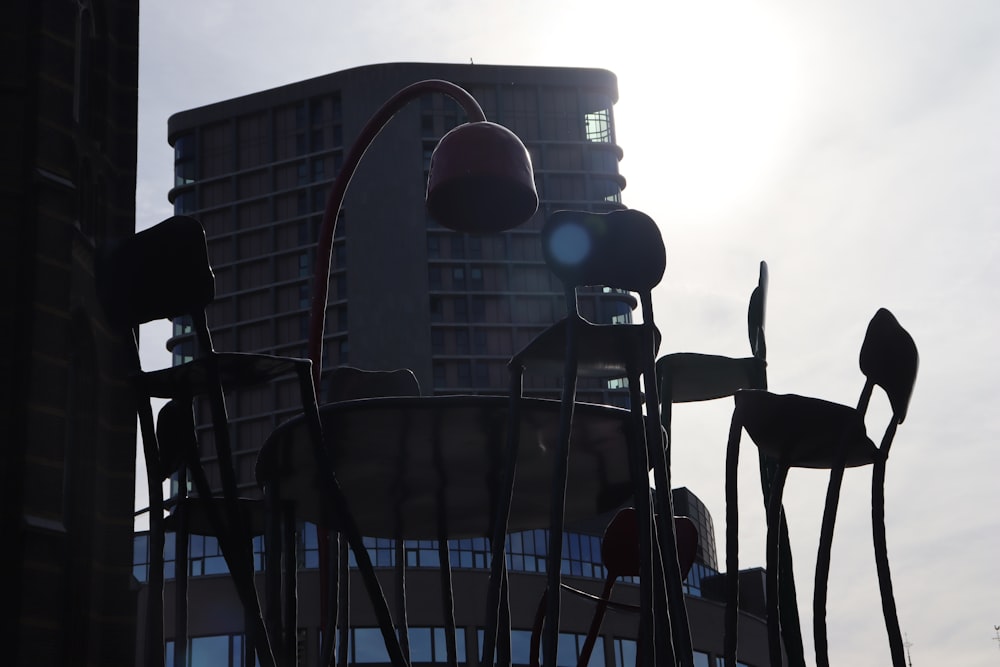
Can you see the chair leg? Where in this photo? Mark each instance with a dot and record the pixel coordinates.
(823, 562)
(680, 631)
(595, 623)
(732, 540)
(153, 648)
(275, 562)
(791, 628)
(448, 601)
(343, 553)
(402, 622)
(332, 589)
(334, 502)
(773, 534)
(639, 472)
(560, 471)
(444, 556)
(498, 570)
(181, 583)
(882, 563)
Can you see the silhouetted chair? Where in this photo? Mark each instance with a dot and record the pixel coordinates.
(620, 250)
(164, 272)
(686, 377)
(620, 556)
(805, 432)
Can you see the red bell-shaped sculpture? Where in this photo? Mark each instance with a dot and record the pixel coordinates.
(481, 179)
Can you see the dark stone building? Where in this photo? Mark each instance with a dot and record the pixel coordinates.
(67, 419)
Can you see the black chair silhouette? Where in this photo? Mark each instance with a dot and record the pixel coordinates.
(686, 377)
(620, 556)
(164, 272)
(806, 432)
(620, 250)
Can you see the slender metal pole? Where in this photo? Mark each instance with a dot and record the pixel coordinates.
(730, 640)
(324, 249)
(334, 202)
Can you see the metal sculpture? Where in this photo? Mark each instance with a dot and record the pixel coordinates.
(686, 377)
(480, 180)
(806, 432)
(624, 250)
(164, 272)
(620, 556)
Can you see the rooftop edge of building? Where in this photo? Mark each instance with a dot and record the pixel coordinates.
(401, 74)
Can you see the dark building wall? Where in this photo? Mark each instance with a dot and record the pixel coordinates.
(67, 185)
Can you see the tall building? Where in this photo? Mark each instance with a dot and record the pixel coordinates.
(404, 293)
(68, 102)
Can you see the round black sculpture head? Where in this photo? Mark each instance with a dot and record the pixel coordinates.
(481, 179)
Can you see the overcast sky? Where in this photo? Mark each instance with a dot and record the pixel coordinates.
(854, 145)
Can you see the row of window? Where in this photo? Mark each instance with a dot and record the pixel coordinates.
(429, 645)
(581, 556)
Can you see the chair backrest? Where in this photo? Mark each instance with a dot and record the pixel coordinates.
(621, 249)
(756, 315)
(161, 272)
(889, 359)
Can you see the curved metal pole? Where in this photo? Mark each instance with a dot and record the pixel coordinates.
(560, 472)
(772, 579)
(649, 572)
(823, 562)
(498, 570)
(324, 250)
(732, 616)
(680, 631)
(882, 553)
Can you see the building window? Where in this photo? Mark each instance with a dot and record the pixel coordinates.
(461, 309)
(464, 369)
(434, 278)
(216, 650)
(185, 202)
(482, 375)
(624, 652)
(427, 644)
(479, 338)
(597, 126)
(461, 341)
(475, 278)
(458, 278)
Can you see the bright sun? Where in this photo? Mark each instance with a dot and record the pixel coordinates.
(708, 106)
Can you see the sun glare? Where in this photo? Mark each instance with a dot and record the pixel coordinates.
(717, 91)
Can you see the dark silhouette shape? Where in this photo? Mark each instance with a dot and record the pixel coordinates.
(619, 250)
(686, 377)
(347, 383)
(164, 272)
(620, 555)
(480, 180)
(806, 432)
